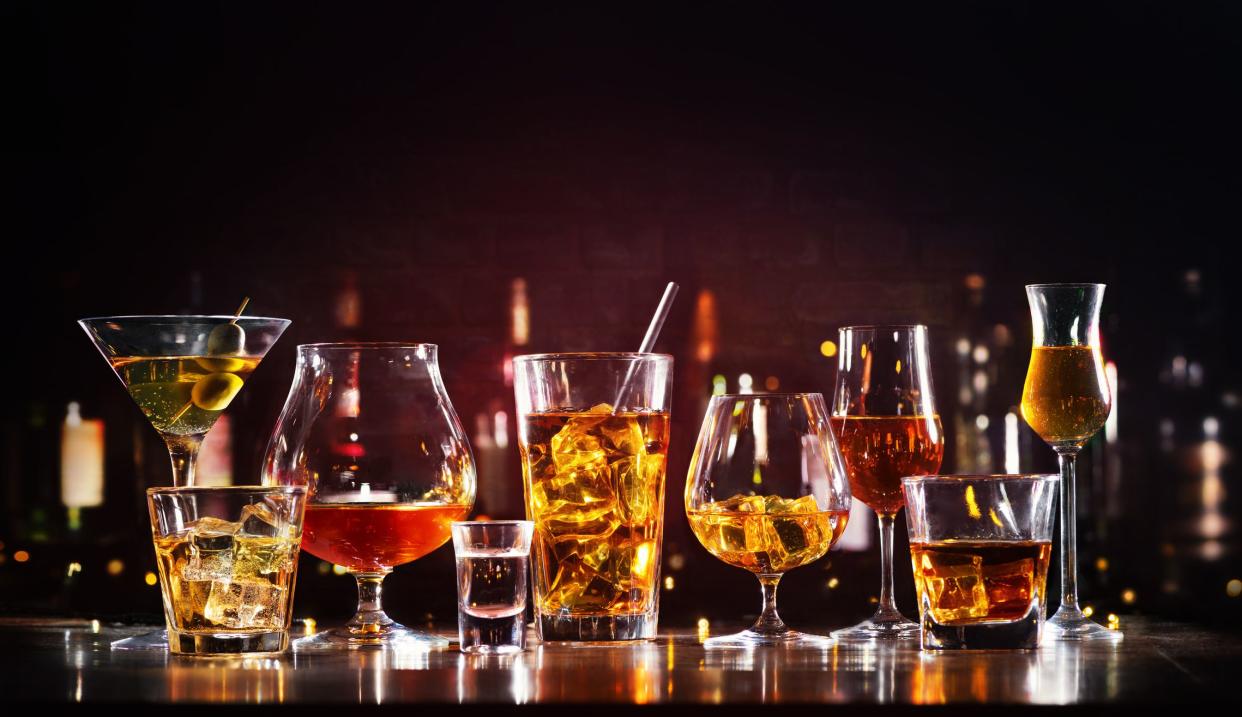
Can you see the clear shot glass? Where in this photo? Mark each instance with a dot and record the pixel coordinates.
(493, 562)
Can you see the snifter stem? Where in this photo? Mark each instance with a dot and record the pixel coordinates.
(769, 622)
(888, 608)
(370, 620)
(1069, 609)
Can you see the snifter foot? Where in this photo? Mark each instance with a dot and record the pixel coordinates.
(394, 637)
(1070, 624)
(874, 629)
(786, 638)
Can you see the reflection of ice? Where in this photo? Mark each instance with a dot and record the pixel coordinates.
(955, 584)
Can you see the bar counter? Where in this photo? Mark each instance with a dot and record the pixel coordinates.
(71, 662)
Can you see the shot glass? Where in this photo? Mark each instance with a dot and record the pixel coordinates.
(493, 561)
(980, 547)
(227, 558)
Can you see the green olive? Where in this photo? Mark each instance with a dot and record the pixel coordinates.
(226, 340)
(232, 365)
(215, 391)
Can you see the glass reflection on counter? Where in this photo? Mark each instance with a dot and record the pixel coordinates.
(240, 680)
(488, 677)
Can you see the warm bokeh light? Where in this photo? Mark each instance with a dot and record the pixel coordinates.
(828, 349)
(150, 578)
(21, 556)
(116, 566)
(1233, 588)
(1128, 596)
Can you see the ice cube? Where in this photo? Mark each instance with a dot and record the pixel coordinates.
(578, 587)
(574, 446)
(788, 536)
(1009, 584)
(209, 524)
(600, 408)
(621, 435)
(637, 479)
(211, 550)
(253, 557)
(955, 586)
(259, 520)
(245, 604)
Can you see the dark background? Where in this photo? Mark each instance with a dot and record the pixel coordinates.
(795, 167)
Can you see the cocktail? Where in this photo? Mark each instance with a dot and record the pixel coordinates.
(182, 372)
(885, 418)
(370, 430)
(767, 492)
(1066, 399)
(593, 436)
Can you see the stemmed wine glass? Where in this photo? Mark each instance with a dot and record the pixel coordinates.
(885, 417)
(767, 492)
(1066, 399)
(370, 429)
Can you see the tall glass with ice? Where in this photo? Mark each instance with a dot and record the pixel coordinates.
(593, 434)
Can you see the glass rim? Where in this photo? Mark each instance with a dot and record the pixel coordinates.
(881, 327)
(982, 478)
(593, 356)
(356, 345)
(1070, 285)
(768, 394)
(194, 489)
(466, 523)
(214, 317)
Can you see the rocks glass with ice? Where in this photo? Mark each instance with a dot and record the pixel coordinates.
(980, 547)
(493, 560)
(227, 559)
(593, 434)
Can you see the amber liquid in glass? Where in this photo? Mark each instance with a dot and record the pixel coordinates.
(375, 537)
(1066, 397)
(767, 535)
(881, 450)
(594, 487)
(974, 582)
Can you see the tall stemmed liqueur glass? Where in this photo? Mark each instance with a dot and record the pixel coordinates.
(767, 492)
(370, 429)
(1066, 399)
(885, 417)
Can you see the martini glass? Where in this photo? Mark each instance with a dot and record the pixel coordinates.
(182, 372)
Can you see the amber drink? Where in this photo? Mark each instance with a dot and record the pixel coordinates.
(979, 547)
(594, 486)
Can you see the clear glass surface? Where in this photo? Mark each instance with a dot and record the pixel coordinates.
(593, 435)
(886, 422)
(1066, 400)
(493, 562)
(767, 492)
(227, 560)
(980, 547)
(370, 430)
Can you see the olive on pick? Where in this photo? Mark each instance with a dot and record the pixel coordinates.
(226, 340)
(215, 391)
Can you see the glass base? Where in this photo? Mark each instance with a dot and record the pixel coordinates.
(227, 644)
(1071, 625)
(879, 629)
(785, 638)
(157, 640)
(393, 637)
(604, 628)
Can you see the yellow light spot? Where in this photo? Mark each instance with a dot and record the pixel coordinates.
(640, 565)
(74, 568)
(994, 517)
(873, 600)
(757, 476)
(862, 351)
(1101, 564)
(1114, 622)
(115, 567)
(21, 556)
(704, 628)
(668, 582)
(972, 506)
(310, 625)
(833, 583)
(1088, 611)
(150, 578)
(829, 349)
(898, 365)
(771, 383)
(1128, 596)
(339, 569)
(95, 626)
(1233, 588)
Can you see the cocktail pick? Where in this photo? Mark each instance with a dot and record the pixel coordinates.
(224, 340)
(649, 340)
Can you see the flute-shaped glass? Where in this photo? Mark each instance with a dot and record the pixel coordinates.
(1066, 400)
(885, 417)
(767, 492)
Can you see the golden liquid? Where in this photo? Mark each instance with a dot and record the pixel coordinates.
(594, 487)
(215, 580)
(881, 450)
(183, 395)
(965, 582)
(767, 534)
(1066, 397)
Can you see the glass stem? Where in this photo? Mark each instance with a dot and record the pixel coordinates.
(769, 622)
(184, 453)
(370, 618)
(887, 611)
(1069, 533)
